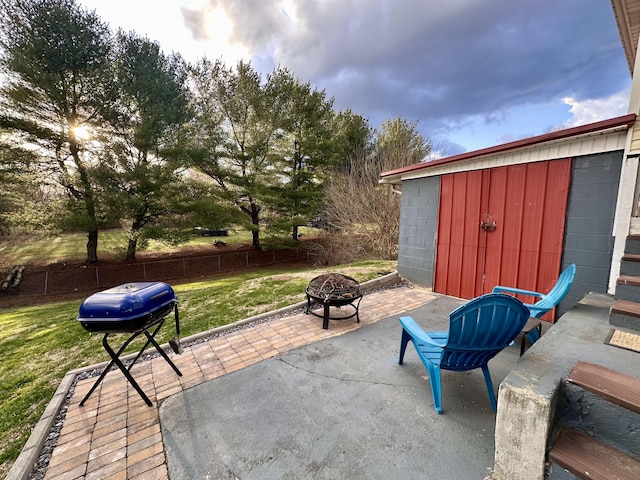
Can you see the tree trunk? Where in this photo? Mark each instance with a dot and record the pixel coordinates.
(255, 232)
(89, 201)
(92, 246)
(295, 232)
(254, 214)
(131, 248)
(255, 235)
(134, 234)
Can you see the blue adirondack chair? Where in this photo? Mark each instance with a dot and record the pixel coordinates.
(478, 331)
(546, 302)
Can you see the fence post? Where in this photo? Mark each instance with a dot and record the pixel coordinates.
(97, 277)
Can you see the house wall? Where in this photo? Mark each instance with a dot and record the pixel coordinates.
(588, 231)
(602, 142)
(418, 220)
(635, 138)
(588, 240)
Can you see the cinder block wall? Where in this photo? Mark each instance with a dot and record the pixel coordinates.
(418, 220)
(588, 240)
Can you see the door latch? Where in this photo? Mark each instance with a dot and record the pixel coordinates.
(487, 225)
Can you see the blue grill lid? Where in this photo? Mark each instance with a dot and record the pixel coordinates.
(126, 302)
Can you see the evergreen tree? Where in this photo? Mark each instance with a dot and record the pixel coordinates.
(144, 149)
(56, 61)
(307, 147)
(235, 143)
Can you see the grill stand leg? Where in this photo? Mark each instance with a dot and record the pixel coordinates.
(162, 353)
(126, 371)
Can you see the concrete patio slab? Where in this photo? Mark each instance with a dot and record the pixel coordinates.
(338, 408)
(116, 436)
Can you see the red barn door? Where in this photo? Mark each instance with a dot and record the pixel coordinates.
(501, 226)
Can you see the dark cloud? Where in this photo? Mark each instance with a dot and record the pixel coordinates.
(194, 21)
(437, 61)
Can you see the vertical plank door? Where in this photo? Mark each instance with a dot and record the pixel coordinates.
(526, 203)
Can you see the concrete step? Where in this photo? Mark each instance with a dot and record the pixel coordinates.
(628, 288)
(632, 244)
(630, 265)
(625, 313)
(604, 405)
(587, 458)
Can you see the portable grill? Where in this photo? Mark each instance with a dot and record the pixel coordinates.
(135, 308)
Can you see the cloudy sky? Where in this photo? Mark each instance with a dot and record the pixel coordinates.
(473, 73)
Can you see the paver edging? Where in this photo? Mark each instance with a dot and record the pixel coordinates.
(24, 464)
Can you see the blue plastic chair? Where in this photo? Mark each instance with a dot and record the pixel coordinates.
(478, 331)
(546, 302)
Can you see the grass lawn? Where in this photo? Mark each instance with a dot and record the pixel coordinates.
(111, 244)
(41, 343)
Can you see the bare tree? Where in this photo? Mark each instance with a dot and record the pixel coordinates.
(362, 216)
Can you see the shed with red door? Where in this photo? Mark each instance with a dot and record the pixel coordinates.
(515, 214)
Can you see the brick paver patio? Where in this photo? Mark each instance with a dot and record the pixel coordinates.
(115, 435)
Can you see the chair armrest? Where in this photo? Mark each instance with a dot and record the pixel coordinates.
(499, 289)
(418, 334)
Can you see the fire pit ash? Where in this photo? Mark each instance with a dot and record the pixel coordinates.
(333, 290)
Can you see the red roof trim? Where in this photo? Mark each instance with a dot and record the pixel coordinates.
(627, 120)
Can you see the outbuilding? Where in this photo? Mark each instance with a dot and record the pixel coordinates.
(516, 214)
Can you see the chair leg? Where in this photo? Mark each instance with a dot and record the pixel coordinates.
(432, 369)
(436, 387)
(535, 334)
(492, 395)
(404, 340)
(532, 331)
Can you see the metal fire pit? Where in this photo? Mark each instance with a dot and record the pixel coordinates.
(333, 290)
(135, 308)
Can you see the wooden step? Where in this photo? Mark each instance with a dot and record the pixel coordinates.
(628, 288)
(625, 313)
(630, 264)
(631, 257)
(587, 458)
(615, 387)
(628, 280)
(626, 307)
(632, 244)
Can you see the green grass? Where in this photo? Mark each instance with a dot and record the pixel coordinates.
(111, 244)
(41, 343)
(67, 246)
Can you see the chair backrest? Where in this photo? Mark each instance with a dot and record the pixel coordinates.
(557, 293)
(481, 328)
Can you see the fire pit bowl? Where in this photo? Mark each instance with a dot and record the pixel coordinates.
(333, 290)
